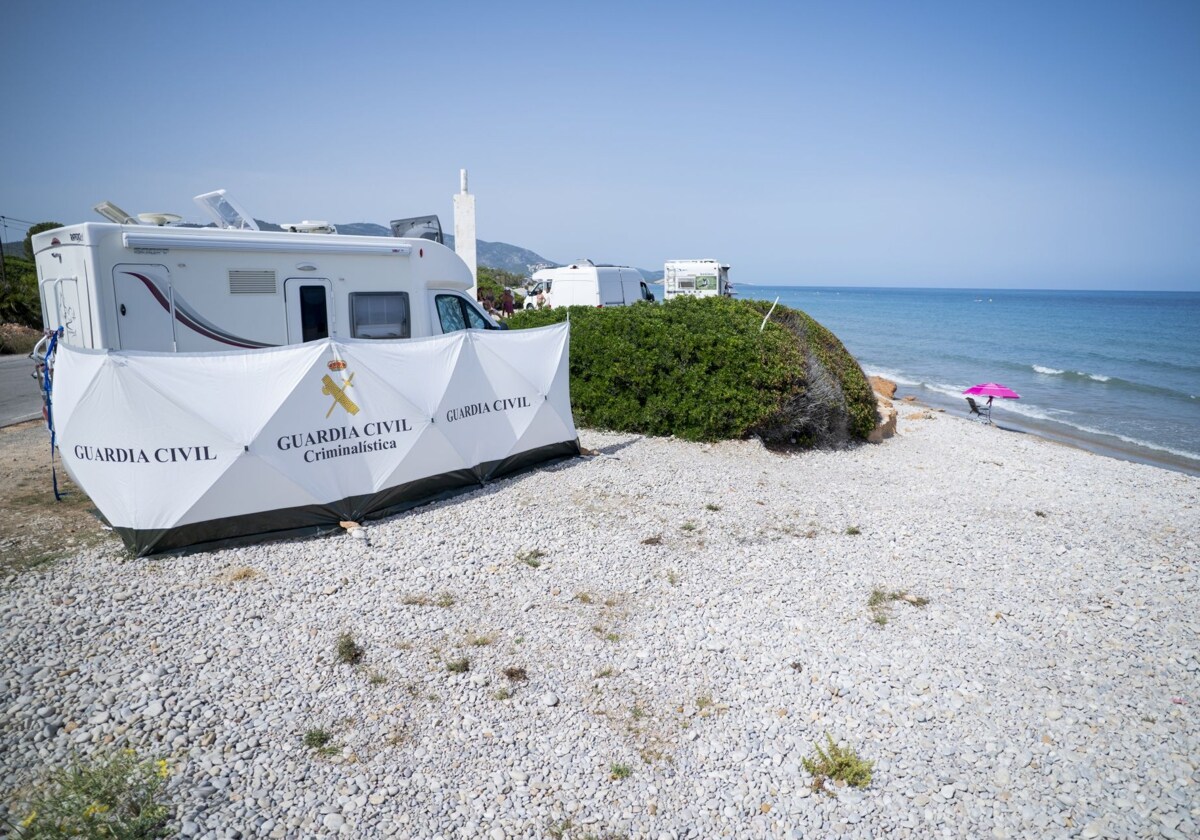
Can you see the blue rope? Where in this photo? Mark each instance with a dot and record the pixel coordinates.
(46, 388)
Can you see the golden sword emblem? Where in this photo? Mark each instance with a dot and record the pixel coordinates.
(339, 394)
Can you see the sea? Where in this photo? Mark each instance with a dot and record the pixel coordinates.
(1117, 373)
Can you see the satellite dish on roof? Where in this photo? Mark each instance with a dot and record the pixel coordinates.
(160, 219)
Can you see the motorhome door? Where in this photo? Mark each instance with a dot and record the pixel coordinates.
(145, 304)
(309, 302)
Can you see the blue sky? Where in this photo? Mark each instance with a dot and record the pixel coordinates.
(1040, 145)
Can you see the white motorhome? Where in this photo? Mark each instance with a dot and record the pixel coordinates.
(583, 283)
(129, 286)
(695, 278)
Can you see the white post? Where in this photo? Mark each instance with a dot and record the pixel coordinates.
(768, 315)
(464, 228)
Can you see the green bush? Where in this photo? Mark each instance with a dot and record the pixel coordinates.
(19, 301)
(700, 369)
(826, 353)
(117, 796)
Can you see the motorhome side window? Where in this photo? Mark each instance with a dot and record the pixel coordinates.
(456, 313)
(379, 315)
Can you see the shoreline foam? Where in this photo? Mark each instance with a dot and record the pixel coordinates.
(1010, 416)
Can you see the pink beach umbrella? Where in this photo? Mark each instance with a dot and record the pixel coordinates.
(992, 390)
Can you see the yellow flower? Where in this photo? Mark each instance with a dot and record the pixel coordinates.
(94, 809)
(28, 821)
(163, 772)
(130, 753)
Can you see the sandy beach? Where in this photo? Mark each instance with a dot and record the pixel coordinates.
(655, 637)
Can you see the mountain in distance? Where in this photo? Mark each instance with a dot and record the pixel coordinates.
(499, 255)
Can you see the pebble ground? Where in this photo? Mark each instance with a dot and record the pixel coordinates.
(654, 639)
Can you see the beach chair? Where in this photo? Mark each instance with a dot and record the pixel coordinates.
(982, 412)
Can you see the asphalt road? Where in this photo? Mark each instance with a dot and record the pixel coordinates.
(19, 396)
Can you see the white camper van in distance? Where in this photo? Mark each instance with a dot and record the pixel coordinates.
(695, 278)
(583, 283)
(143, 287)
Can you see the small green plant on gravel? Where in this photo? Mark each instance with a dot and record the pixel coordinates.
(502, 693)
(838, 764)
(612, 637)
(376, 678)
(673, 577)
(704, 701)
(478, 641)
(531, 558)
(620, 771)
(515, 673)
(459, 666)
(881, 601)
(445, 600)
(348, 650)
(316, 738)
(638, 712)
(583, 597)
(712, 507)
(688, 526)
(560, 829)
(853, 531)
(115, 796)
(415, 600)
(606, 671)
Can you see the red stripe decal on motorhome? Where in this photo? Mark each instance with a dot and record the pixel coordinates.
(192, 322)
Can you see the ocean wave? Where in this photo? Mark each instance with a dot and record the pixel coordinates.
(1182, 453)
(1072, 374)
(1027, 410)
(1111, 381)
(887, 373)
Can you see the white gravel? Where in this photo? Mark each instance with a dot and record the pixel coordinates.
(1050, 687)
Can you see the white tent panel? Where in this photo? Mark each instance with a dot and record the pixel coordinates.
(418, 369)
(180, 449)
(246, 389)
(78, 366)
(270, 490)
(144, 459)
(343, 428)
(431, 454)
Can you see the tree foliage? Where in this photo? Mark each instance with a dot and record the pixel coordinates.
(700, 369)
(19, 301)
(40, 227)
(491, 282)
